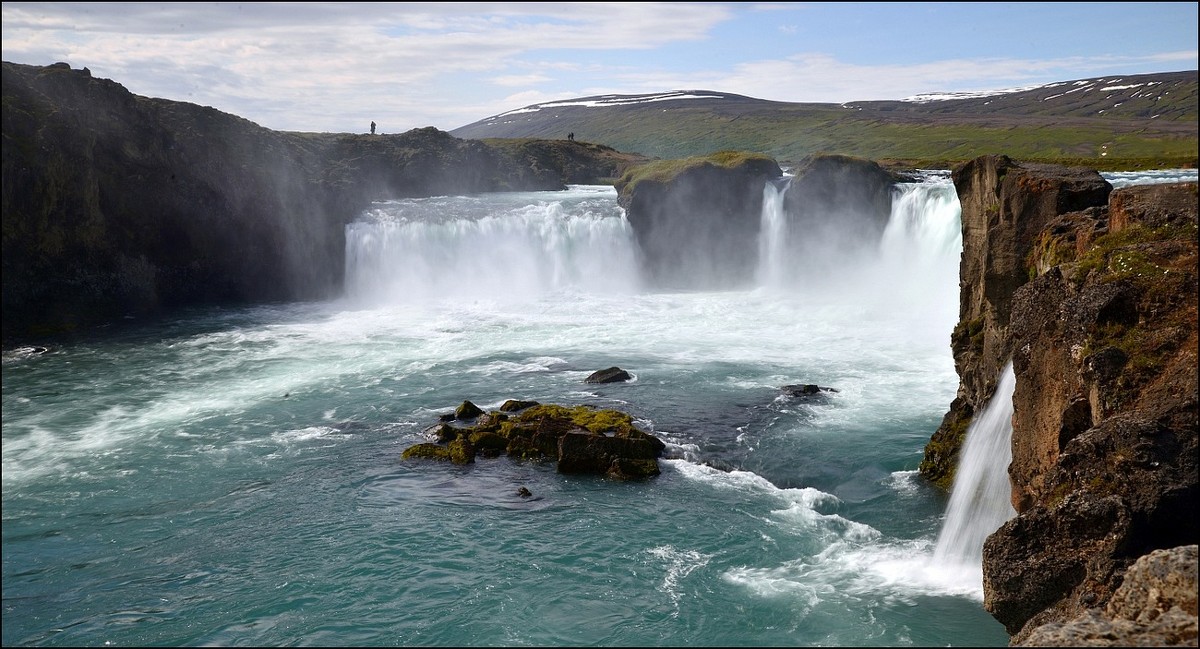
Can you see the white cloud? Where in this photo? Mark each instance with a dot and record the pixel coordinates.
(519, 80)
(815, 77)
(337, 66)
(262, 61)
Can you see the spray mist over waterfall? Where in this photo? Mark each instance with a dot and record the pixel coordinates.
(539, 243)
(980, 501)
(912, 267)
(462, 247)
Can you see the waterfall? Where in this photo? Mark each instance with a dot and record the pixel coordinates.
(980, 501)
(772, 234)
(526, 245)
(449, 248)
(914, 265)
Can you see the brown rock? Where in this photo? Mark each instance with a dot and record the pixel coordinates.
(1155, 606)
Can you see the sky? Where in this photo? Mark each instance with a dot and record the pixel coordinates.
(336, 67)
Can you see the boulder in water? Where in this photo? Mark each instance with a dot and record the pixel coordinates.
(581, 439)
(513, 405)
(805, 389)
(610, 375)
(467, 410)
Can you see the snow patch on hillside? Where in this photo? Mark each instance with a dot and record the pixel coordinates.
(605, 101)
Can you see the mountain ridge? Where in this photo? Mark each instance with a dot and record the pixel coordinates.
(1113, 117)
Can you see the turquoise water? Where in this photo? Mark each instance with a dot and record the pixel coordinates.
(233, 477)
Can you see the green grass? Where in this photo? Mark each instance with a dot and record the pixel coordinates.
(662, 171)
(792, 135)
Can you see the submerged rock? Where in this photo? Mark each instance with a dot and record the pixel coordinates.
(806, 389)
(610, 375)
(581, 440)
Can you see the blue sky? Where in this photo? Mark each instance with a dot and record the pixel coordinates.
(335, 67)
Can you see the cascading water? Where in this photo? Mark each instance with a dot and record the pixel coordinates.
(912, 270)
(980, 500)
(461, 247)
(771, 249)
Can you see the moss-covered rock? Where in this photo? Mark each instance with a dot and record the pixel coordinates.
(426, 451)
(467, 410)
(461, 450)
(597, 441)
(513, 405)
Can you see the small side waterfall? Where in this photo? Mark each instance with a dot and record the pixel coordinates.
(772, 250)
(980, 499)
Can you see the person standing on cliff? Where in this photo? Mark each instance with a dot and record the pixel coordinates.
(372, 128)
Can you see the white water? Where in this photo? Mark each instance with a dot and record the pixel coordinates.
(464, 248)
(980, 501)
(772, 235)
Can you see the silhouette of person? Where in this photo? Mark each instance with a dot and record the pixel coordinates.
(571, 136)
(372, 128)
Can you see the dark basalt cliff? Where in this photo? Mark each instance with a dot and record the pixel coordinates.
(1092, 294)
(698, 220)
(115, 204)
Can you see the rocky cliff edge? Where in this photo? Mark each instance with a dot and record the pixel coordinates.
(1092, 295)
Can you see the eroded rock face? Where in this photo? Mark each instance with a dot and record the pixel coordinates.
(698, 224)
(836, 206)
(1155, 606)
(1100, 323)
(1005, 207)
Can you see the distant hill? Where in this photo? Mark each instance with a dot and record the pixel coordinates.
(1108, 122)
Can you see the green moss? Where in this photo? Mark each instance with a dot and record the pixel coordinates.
(663, 171)
(586, 417)
(1111, 256)
(487, 440)
(940, 462)
(426, 451)
(1047, 252)
(1162, 279)
(1058, 494)
(461, 451)
(967, 336)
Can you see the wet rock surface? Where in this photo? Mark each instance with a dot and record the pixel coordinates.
(579, 439)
